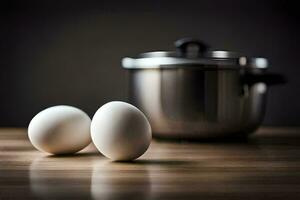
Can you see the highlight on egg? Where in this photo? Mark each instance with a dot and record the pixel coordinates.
(60, 130)
(120, 131)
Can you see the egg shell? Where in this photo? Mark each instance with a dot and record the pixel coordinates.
(60, 130)
(120, 131)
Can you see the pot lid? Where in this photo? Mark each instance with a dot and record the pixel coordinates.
(193, 53)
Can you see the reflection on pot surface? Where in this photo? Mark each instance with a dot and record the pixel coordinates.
(190, 102)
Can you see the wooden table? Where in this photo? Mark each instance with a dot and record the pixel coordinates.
(267, 166)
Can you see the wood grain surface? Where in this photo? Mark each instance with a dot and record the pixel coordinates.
(266, 166)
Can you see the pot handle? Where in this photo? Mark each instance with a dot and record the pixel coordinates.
(183, 46)
(267, 78)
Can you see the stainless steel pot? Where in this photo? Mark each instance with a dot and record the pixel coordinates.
(195, 93)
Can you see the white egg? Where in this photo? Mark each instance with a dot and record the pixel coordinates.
(60, 130)
(120, 131)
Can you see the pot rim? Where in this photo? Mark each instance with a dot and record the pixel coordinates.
(192, 52)
(152, 60)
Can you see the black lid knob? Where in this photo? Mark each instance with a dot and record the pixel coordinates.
(185, 45)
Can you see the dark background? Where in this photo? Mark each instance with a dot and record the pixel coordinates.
(69, 52)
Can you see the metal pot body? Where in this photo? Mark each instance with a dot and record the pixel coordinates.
(194, 103)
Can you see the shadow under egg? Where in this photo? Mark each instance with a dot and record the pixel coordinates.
(120, 181)
(50, 178)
